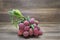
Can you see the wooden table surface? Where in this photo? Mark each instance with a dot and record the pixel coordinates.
(50, 32)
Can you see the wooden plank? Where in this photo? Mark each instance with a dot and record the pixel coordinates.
(41, 14)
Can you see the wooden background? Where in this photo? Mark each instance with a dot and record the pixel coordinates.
(42, 10)
(46, 11)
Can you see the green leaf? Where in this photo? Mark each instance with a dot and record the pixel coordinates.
(28, 18)
(17, 13)
(19, 17)
(11, 13)
(32, 26)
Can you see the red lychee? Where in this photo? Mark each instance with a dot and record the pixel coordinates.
(26, 23)
(40, 32)
(26, 34)
(26, 28)
(32, 20)
(20, 32)
(36, 32)
(30, 31)
(21, 26)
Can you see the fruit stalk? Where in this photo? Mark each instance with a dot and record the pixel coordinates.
(18, 16)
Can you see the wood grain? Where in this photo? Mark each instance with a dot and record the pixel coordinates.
(41, 14)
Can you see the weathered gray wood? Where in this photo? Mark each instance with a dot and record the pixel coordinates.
(41, 14)
(33, 9)
(29, 4)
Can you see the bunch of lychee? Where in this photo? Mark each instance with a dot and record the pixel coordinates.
(29, 28)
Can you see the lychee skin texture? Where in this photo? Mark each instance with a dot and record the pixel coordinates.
(40, 32)
(35, 25)
(32, 20)
(30, 31)
(38, 28)
(26, 28)
(26, 23)
(21, 26)
(36, 32)
(20, 32)
(26, 34)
